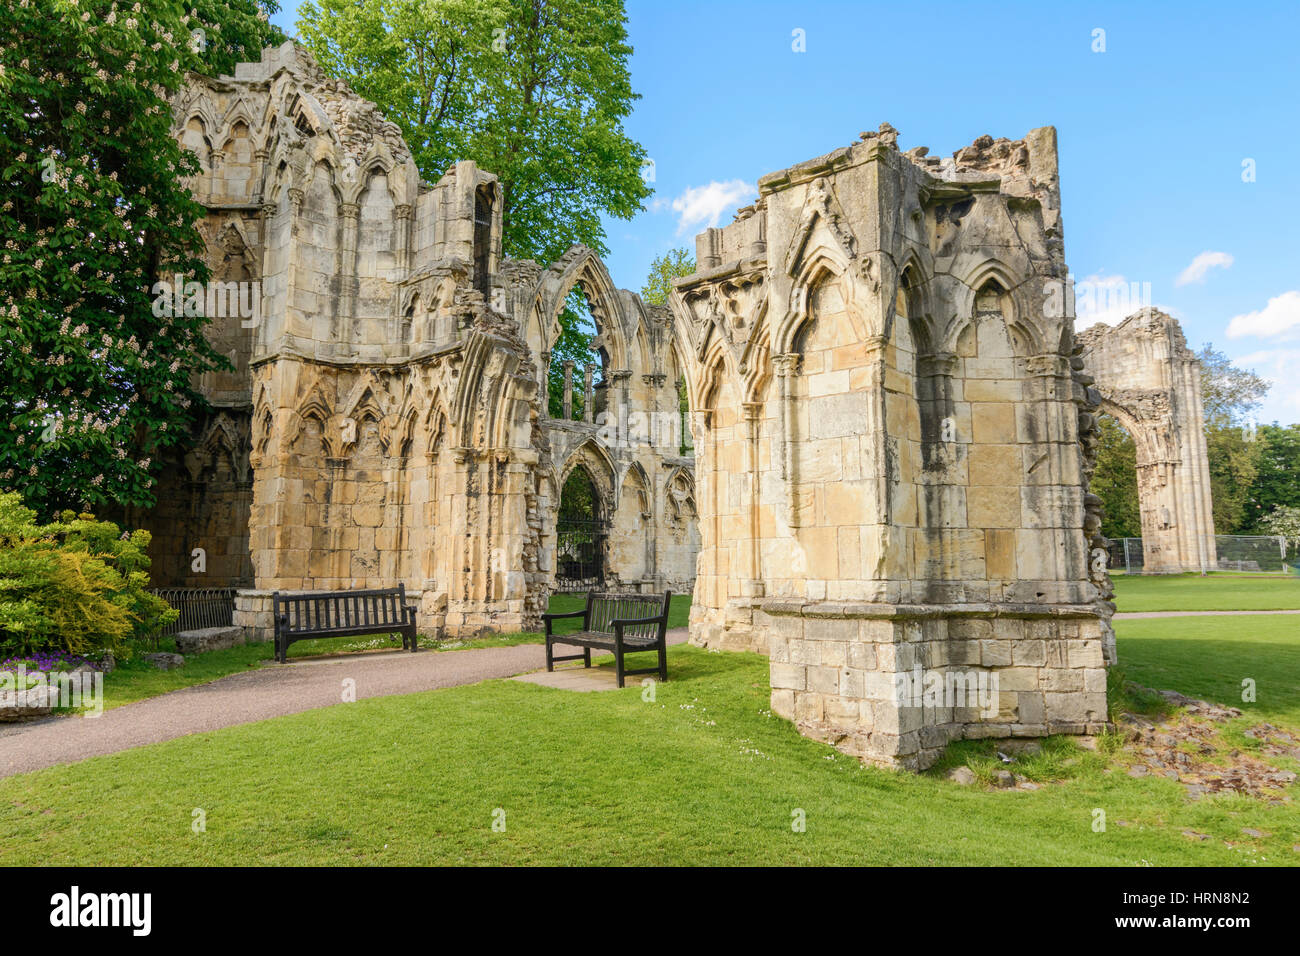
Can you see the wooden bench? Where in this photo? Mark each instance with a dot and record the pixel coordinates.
(622, 623)
(300, 617)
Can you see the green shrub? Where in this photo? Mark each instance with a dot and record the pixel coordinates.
(77, 585)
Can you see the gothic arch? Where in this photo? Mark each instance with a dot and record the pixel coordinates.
(595, 458)
(580, 267)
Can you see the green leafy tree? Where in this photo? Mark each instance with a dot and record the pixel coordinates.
(1283, 520)
(1233, 462)
(673, 264)
(577, 330)
(535, 91)
(1228, 393)
(1275, 486)
(93, 211)
(1115, 481)
(1228, 396)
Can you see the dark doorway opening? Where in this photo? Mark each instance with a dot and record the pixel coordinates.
(582, 532)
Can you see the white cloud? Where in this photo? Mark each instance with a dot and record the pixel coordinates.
(1201, 266)
(1110, 299)
(700, 207)
(1279, 319)
(1277, 367)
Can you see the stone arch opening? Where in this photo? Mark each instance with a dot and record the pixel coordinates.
(578, 379)
(582, 533)
(1115, 479)
(1150, 383)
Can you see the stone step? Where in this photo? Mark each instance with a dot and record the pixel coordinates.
(203, 639)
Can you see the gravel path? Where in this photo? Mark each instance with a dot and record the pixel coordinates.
(269, 691)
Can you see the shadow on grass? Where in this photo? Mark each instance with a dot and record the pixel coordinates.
(1219, 670)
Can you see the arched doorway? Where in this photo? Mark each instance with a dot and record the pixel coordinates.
(582, 534)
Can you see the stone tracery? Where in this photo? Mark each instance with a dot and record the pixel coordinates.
(388, 396)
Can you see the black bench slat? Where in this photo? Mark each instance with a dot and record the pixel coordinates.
(622, 623)
(341, 613)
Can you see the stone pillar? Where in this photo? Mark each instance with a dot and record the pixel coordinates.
(351, 213)
(753, 427)
(568, 390)
(657, 419)
(545, 365)
(617, 393)
(402, 250)
(588, 394)
(787, 367)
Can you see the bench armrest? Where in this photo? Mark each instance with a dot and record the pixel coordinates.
(548, 616)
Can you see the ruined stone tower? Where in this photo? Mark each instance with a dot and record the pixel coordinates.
(1151, 383)
(893, 439)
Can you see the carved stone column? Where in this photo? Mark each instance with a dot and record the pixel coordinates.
(787, 367)
(753, 428)
(351, 212)
(656, 382)
(588, 394)
(545, 365)
(568, 390)
(619, 380)
(402, 239)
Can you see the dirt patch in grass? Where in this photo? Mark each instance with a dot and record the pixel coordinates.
(1195, 745)
(1167, 734)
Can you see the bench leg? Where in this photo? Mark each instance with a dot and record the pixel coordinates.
(618, 664)
(550, 664)
(663, 662)
(586, 656)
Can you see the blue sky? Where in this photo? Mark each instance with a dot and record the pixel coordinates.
(1153, 134)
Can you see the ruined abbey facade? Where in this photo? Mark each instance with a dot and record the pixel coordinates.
(891, 435)
(387, 417)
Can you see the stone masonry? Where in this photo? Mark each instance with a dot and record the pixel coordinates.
(893, 428)
(385, 420)
(894, 435)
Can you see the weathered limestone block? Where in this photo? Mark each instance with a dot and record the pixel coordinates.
(204, 639)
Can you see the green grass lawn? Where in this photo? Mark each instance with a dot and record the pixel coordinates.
(703, 774)
(1215, 592)
(1209, 657)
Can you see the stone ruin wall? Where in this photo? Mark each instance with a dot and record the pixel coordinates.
(385, 420)
(893, 435)
(1150, 382)
(893, 441)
